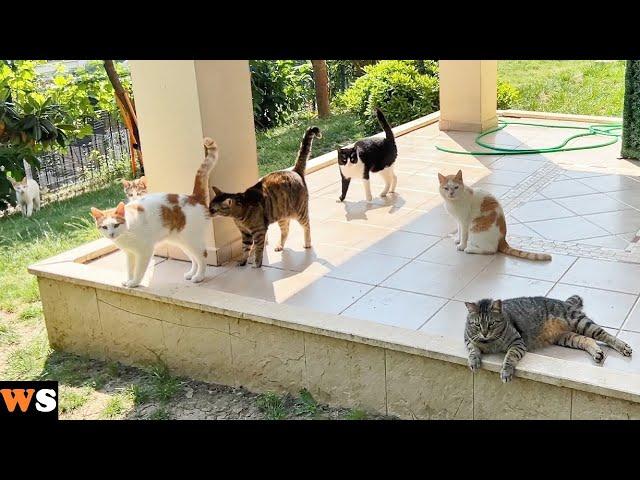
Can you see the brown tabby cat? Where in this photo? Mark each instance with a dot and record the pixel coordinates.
(277, 197)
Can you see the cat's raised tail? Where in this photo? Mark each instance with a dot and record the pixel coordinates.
(504, 247)
(201, 183)
(385, 125)
(305, 149)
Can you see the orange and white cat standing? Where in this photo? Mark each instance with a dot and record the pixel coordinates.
(482, 228)
(178, 219)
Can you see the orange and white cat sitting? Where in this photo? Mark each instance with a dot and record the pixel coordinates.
(178, 219)
(481, 225)
(135, 189)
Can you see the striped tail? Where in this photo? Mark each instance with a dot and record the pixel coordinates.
(305, 149)
(385, 126)
(505, 248)
(201, 183)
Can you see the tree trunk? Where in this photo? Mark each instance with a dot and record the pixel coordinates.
(321, 80)
(128, 112)
(631, 115)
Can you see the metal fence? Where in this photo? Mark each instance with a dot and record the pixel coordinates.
(86, 163)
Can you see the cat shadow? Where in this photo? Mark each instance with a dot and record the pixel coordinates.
(358, 210)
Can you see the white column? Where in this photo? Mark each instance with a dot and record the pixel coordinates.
(177, 104)
(468, 94)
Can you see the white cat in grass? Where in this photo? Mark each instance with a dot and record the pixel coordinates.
(27, 192)
(178, 219)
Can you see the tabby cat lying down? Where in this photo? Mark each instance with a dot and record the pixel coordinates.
(520, 324)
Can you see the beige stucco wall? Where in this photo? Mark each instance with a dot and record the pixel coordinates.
(261, 357)
(178, 102)
(468, 94)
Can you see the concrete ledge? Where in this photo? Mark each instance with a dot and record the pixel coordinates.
(262, 345)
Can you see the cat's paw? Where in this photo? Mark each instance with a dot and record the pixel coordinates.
(257, 265)
(461, 247)
(197, 278)
(131, 284)
(188, 276)
(383, 194)
(506, 374)
(279, 248)
(241, 263)
(340, 199)
(626, 350)
(474, 363)
(307, 245)
(599, 356)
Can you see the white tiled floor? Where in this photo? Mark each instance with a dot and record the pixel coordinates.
(393, 261)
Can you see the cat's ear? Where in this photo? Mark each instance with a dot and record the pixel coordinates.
(496, 306)
(13, 182)
(459, 176)
(120, 209)
(216, 190)
(97, 214)
(442, 179)
(143, 181)
(126, 183)
(472, 307)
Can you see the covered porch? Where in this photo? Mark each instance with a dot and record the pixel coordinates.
(372, 316)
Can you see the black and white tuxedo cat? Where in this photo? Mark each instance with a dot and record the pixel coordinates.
(373, 154)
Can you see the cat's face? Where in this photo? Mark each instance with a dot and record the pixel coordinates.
(20, 187)
(110, 223)
(451, 186)
(484, 320)
(135, 189)
(346, 155)
(226, 204)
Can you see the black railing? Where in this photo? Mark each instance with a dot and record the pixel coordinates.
(87, 163)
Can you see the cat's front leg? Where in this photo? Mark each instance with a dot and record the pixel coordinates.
(367, 186)
(514, 354)
(464, 236)
(130, 261)
(29, 208)
(140, 267)
(475, 356)
(258, 240)
(457, 237)
(345, 186)
(247, 242)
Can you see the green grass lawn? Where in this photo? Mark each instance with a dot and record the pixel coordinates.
(278, 147)
(55, 228)
(566, 86)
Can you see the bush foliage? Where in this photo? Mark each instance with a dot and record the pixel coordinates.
(396, 87)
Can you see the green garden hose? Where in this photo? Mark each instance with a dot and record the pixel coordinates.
(613, 130)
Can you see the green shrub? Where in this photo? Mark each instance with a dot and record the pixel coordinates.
(508, 95)
(397, 88)
(280, 88)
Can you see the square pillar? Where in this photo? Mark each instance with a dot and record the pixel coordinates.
(468, 95)
(177, 104)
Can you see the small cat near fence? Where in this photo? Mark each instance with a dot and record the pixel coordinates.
(277, 197)
(370, 155)
(135, 189)
(482, 228)
(518, 325)
(136, 228)
(27, 192)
